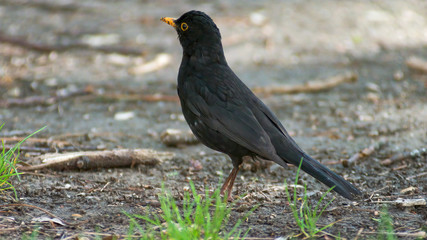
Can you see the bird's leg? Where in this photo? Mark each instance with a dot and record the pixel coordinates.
(229, 182)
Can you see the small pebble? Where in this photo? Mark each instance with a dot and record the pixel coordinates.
(122, 116)
(398, 75)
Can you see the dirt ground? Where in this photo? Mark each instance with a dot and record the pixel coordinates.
(102, 75)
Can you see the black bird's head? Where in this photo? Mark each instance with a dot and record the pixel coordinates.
(196, 30)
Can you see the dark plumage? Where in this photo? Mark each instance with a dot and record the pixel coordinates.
(225, 115)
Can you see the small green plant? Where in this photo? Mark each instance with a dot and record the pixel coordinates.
(8, 161)
(385, 228)
(200, 217)
(305, 215)
(34, 234)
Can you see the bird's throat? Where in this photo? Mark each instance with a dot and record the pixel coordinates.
(205, 55)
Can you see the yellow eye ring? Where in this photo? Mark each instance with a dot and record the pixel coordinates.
(184, 26)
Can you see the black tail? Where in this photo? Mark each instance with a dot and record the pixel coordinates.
(331, 179)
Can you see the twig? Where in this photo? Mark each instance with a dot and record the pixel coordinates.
(52, 149)
(36, 140)
(99, 159)
(135, 97)
(358, 234)
(333, 162)
(378, 190)
(420, 234)
(405, 202)
(417, 63)
(28, 149)
(43, 100)
(3, 230)
(102, 189)
(400, 167)
(416, 176)
(38, 174)
(309, 87)
(103, 235)
(361, 154)
(20, 41)
(405, 155)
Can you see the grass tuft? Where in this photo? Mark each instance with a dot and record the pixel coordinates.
(8, 162)
(306, 217)
(199, 217)
(385, 228)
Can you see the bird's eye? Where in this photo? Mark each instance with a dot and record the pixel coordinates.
(184, 26)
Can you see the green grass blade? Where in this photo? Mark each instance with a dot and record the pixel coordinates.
(198, 218)
(305, 216)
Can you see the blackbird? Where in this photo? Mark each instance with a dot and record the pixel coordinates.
(225, 115)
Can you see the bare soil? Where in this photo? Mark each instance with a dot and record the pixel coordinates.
(267, 43)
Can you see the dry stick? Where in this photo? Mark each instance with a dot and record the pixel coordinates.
(43, 100)
(400, 167)
(99, 159)
(361, 154)
(41, 209)
(358, 234)
(137, 97)
(105, 235)
(405, 202)
(3, 230)
(36, 140)
(28, 149)
(19, 41)
(416, 176)
(92, 135)
(405, 155)
(420, 234)
(378, 190)
(417, 64)
(312, 86)
(51, 149)
(53, 145)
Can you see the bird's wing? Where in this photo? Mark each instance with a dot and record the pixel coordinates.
(264, 112)
(232, 118)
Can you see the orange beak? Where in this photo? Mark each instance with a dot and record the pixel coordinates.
(168, 20)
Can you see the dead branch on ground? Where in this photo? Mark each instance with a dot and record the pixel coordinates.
(39, 47)
(46, 141)
(99, 159)
(405, 202)
(417, 176)
(409, 235)
(309, 87)
(135, 97)
(403, 156)
(361, 154)
(45, 100)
